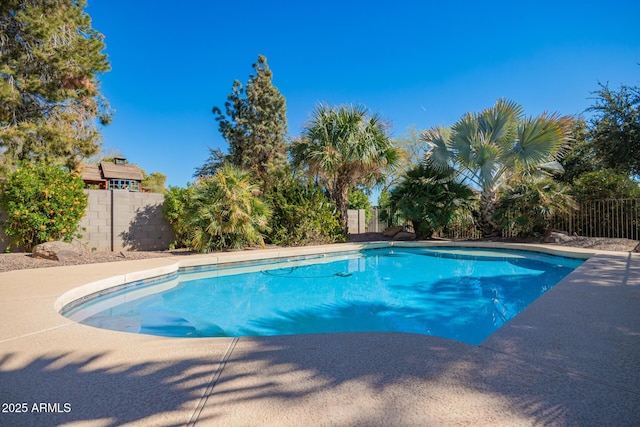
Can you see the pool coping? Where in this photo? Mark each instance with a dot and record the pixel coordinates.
(600, 341)
(216, 259)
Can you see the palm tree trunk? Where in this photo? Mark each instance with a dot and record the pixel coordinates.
(341, 197)
(486, 223)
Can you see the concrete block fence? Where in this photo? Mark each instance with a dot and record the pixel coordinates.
(118, 220)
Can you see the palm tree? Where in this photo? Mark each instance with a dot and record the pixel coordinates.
(487, 148)
(528, 205)
(429, 198)
(342, 148)
(227, 212)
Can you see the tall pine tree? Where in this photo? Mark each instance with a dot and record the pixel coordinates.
(49, 91)
(255, 125)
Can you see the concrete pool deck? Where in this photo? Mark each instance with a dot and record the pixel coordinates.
(572, 358)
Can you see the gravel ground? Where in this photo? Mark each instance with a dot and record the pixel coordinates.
(20, 261)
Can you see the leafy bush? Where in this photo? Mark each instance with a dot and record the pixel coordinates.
(42, 203)
(359, 200)
(176, 202)
(605, 184)
(428, 198)
(528, 204)
(302, 215)
(225, 212)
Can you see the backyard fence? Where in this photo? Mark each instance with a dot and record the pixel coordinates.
(613, 218)
(617, 218)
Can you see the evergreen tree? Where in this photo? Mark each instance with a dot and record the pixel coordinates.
(255, 124)
(615, 128)
(49, 92)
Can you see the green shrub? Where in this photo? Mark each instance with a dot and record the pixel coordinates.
(430, 199)
(605, 184)
(176, 202)
(225, 212)
(528, 204)
(359, 200)
(302, 215)
(42, 203)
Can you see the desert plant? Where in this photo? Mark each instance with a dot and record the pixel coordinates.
(429, 198)
(344, 147)
(487, 147)
(226, 212)
(528, 204)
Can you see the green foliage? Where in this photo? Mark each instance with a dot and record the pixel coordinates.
(176, 203)
(429, 198)
(528, 204)
(580, 156)
(342, 148)
(42, 203)
(154, 182)
(49, 91)
(605, 184)
(359, 200)
(302, 215)
(225, 212)
(411, 150)
(487, 148)
(254, 125)
(214, 162)
(615, 128)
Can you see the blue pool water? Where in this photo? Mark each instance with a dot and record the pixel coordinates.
(457, 293)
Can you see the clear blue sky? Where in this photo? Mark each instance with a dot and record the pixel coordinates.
(422, 63)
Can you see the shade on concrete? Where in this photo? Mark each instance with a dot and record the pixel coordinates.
(571, 358)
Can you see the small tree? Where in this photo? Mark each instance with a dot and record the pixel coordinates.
(254, 125)
(154, 182)
(225, 212)
(615, 128)
(42, 203)
(429, 198)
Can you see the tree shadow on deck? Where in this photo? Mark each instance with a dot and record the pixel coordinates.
(76, 388)
(408, 379)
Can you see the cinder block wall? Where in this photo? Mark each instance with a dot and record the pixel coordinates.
(119, 219)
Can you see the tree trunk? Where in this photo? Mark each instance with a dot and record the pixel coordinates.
(341, 197)
(486, 223)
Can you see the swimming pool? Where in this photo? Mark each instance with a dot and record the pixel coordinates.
(458, 293)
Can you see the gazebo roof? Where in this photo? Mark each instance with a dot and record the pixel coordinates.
(114, 171)
(107, 170)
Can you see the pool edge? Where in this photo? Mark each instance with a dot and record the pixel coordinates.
(220, 258)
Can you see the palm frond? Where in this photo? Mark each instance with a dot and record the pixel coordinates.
(539, 141)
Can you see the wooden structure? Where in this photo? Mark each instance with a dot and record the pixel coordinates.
(116, 175)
